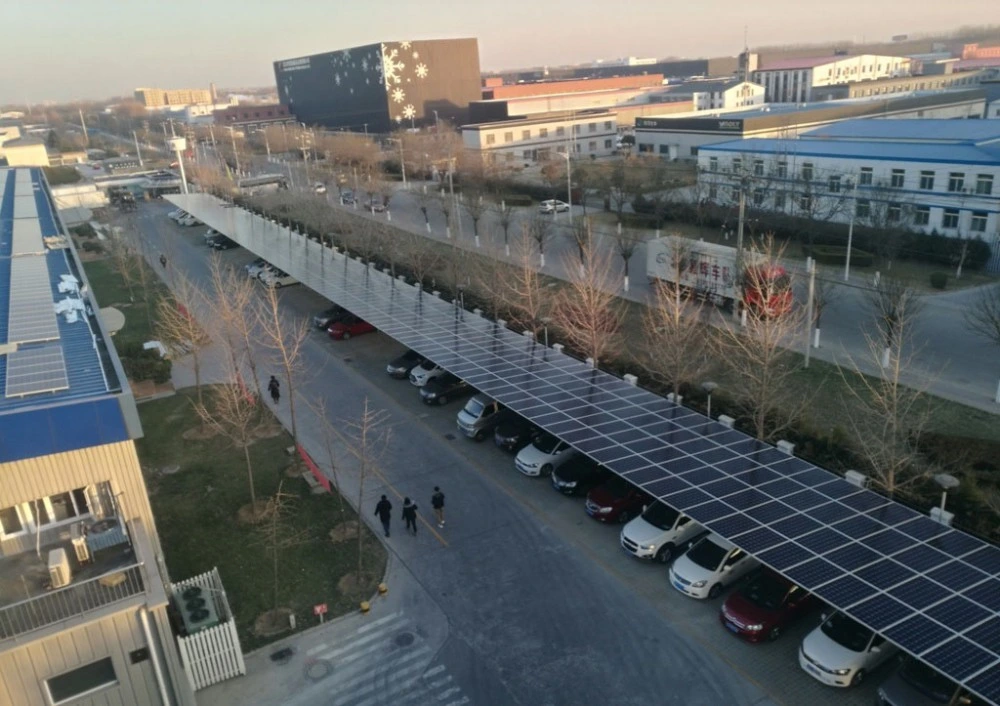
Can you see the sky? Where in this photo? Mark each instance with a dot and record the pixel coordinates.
(92, 49)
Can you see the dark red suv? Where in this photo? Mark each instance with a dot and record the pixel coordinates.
(765, 606)
(617, 500)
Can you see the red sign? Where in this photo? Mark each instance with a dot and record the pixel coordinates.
(319, 609)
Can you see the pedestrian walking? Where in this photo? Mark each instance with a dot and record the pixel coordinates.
(163, 261)
(384, 512)
(274, 387)
(410, 515)
(437, 502)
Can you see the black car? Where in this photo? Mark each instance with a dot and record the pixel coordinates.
(401, 366)
(444, 388)
(325, 318)
(578, 475)
(224, 243)
(514, 434)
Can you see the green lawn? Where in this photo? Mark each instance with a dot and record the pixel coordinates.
(110, 290)
(196, 510)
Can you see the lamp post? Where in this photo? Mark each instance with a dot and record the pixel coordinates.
(850, 228)
(178, 145)
(460, 300)
(569, 184)
(947, 482)
(709, 387)
(545, 327)
(236, 156)
(402, 160)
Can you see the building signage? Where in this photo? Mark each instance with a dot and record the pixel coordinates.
(731, 125)
(713, 124)
(295, 64)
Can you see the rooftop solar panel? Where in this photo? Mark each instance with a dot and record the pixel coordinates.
(35, 370)
(678, 446)
(32, 315)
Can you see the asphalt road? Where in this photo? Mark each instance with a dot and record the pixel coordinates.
(540, 604)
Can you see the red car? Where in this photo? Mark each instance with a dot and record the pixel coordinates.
(762, 608)
(349, 326)
(616, 501)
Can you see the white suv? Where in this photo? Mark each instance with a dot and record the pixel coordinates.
(710, 565)
(660, 533)
(424, 373)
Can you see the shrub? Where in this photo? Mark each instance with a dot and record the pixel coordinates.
(92, 246)
(835, 255)
(516, 199)
(141, 364)
(84, 230)
(939, 280)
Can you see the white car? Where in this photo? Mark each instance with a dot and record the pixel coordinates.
(660, 533)
(253, 269)
(210, 233)
(424, 373)
(276, 279)
(553, 206)
(319, 187)
(841, 651)
(178, 214)
(544, 454)
(709, 566)
(189, 220)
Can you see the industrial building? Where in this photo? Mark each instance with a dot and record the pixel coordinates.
(83, 591)
(586, 134)
(381, 87)
(681, 137)
(177, 98)
(253, 117)
(803, 80)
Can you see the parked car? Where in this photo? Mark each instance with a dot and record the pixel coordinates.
(660, 533)
(189, 221)
(209, 234)
(553, 206)
(916, 684)
(177, 214)
(349, 326)
(480, 417)
(579, 475)
(841, 651)
(514, 434)
(400, 366)
(319, 187)
(543, 455)
(328, 316)
(253, 269)
(445, 388)
(765, 606)
(616, 501)
(376, 204)
(211, 241)
(347, 197)
(223, 243)
(709, 566)
(425, 372)
(275, 278)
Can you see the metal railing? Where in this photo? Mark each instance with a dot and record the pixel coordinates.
(71, 601)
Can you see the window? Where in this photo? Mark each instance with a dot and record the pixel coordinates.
(10, 522)
(807, 171)
(779, 201)
(805, 202)
(834, 185)
(694, 151)
(607, 144)
(863, 209)
(713, 191)
(737, 164)
(525, 134)
(591, 127)
(865, 177)
(576, 129)
(984, 184)
(508, 137)
(758, 197)
(956, 181)
(782, 169)
(645, 147)
(491, 139)
(894, 213)
(713, 164)
(608, 125)
(978, 222)
(950, 218)
(927, 181)
(81, 681)
(758, 167)
(664, 149)
(526, 155)
(560, 131)
(921, 215)
(543, 132)
(592, 146)
(898, 178)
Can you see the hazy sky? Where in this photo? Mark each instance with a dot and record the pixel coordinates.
(68, 49)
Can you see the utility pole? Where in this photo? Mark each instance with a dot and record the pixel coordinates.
(739, 239)
(850, 228)
(236, 156)
(138, 153)
(810, 315)
(86, 137)
(267, 145)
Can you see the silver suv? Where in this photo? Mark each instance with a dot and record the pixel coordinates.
(480, 416)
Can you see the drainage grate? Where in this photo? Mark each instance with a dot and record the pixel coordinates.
(318, 670)
(404, 639)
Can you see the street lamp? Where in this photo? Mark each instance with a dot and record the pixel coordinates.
(947, 482)
(709, 387)
(569, 183)
(178, 145)
(402, 160)
(460, 300)
(545, 326)
(853, 185)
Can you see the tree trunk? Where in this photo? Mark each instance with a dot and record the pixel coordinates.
(253, 493)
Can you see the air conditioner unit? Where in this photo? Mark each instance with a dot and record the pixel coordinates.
(81, 549)
(59, 571)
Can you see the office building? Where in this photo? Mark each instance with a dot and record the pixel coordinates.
(802, 80)
(524, 142)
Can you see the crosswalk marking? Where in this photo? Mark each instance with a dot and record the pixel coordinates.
(461, 702)
(375, 623)
(318, 648)
(434, 671)
(448, 693)
(361, 641)
(395, 674)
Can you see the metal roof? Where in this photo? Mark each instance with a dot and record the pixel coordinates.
(923, 129)
(56, 376)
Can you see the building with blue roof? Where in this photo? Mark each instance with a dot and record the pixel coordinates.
(921, 175)
(83, 604)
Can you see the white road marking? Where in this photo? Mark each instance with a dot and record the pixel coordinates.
(375, 623)
(362, 640)
(395, 674)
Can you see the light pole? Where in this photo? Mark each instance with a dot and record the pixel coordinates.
(709, 387)
(178, 145)
(460, 300)
(138, 153)
(545, 327)
(850, 228)
(947, 482)
(569, 184)
(402, 160)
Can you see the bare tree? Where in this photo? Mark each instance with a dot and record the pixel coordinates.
(554, 175)
(582, 235)
(825, 292)
(284, 335)
(178, 328)
(983, 318)
(526, 296)
(488, 272)
(894, 307)
(476, 207)
(277, 534)
(444, 203)
(505, 216)
(621, 187)
(588, 311)
(627, 241)
(125, 262)
(234, 305)
(331, 438)
(890, 215)
(539, 228)
(423, 256)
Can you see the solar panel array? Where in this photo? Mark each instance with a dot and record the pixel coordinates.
(932, 590)
(32, 316)
(35, 370)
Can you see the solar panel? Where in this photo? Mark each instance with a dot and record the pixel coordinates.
(27, 237)
(859, 550)
(32, 315)
(35, 370)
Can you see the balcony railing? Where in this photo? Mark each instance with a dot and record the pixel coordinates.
(76, 599)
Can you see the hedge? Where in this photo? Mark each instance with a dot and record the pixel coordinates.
(836, 255)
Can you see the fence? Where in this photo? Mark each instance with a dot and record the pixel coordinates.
(214, 654)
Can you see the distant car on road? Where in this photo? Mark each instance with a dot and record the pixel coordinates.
(221, 242)
(189, 221)
(347, 197)
(253, 269)
(347, 327)
(553, 206)
(376, 204)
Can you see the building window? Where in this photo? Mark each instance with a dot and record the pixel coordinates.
(608, 126)
(645, 147)
(758, 167)
(694, 151)
(737, 164)
(664, 149)
(508, 137)
(713, 164)
(950, 218)
(807, 172)
(978, 222)
(10, 522)
(898, 178)
(927, 180)
(758, 197)
(834, 185)
(560, 131)
(805, 203)
(491, 139)
(591, 127)
(865, 177)
(779, 201)
(782, 169)
(88, 679)
(543, 132)
(576, 129)
(713, 191)
(922, 215)
(607, 144)
(526, 155)
(894, 213)
(577, 148)
(863, 209)
(956, 181)
(592, 146)
(525, 134)
(984, 184)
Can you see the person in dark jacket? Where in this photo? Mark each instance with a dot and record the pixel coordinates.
(437, 503)
(384, 512)
(410, 515)
(274, 387)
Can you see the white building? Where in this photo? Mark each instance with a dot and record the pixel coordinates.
(719, 94)
(530, 140)
(798, 80)
(927, 175)
(681, 136)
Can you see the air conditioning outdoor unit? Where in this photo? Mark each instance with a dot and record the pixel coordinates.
(82, 551)
(59, 571)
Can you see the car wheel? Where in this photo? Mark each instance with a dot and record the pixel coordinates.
(774, 634)
(277, 285)
(443, 399)
(624, 517)
(347, 334)
(859, 676)
(665, 554)
(480, 435)
(715, 591)
(545, 470)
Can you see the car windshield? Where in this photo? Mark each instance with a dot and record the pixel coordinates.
(660, 516)
(546, 443)
(446, 380)
(574, 469)
(617, 487)
(410, 355)
(707, 554)
(767, 591)
(846, 632)
(926, 680)
(427, 365)
(474, 407)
